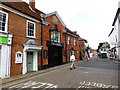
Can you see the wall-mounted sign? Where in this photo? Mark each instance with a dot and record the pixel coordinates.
(3, 39)
(18, 57)
(51, 43)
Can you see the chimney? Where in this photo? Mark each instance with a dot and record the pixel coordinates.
(75, 32)
(32, 4)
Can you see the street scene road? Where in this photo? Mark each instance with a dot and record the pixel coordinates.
(96, 73)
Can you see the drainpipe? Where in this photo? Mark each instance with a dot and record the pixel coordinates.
(66, 46)
(41, 41)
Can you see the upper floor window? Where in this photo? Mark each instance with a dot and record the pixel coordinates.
(68, 40)
(74, 41)
(3, 21)
(54, 35)
(30, 29)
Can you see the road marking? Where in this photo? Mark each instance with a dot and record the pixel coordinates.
(94, 85)
(35, 84)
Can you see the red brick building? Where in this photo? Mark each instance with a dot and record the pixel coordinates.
(20, 32)
(31, 40)
(58, 41)
(74, 44)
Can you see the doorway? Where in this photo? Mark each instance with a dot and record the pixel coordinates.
(29, 61)
(54, 56)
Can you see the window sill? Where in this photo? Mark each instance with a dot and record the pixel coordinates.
(30, 37)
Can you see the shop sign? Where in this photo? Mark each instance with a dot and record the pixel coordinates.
(3, 39)
(54, 43)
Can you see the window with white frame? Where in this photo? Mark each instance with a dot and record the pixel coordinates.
(30, 29)
(74, 41)
(18, 57)
(68, 40)
(3, 21)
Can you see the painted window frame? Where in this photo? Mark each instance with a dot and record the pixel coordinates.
(6, 22)
(75, 41)
(28, 21)
(68, 40)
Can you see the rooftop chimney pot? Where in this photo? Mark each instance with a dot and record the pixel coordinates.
(32, 4)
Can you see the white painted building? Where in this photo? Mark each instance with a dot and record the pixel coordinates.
(115, 34)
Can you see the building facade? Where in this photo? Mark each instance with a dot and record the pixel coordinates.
(31, 40)
(115, 34)
(20, 43)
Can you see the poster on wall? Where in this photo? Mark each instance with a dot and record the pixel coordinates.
(18, 57)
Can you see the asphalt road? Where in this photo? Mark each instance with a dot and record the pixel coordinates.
(96, 73)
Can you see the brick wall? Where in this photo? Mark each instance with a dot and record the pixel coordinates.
(17, 26)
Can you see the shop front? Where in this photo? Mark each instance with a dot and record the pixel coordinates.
(5, 54)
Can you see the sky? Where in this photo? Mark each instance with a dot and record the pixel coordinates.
(92, 19)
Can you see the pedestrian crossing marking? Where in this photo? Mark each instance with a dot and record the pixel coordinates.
(94, 85)
(35, 84)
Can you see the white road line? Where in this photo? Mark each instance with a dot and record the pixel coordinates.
(34, 84)
(94, 85)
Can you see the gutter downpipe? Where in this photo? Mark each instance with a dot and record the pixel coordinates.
(41, 41)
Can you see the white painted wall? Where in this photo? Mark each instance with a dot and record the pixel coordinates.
(5, 61)
(116, 34)
(119, 37)
(113, 37)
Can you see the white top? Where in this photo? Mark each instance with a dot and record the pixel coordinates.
(72, 58)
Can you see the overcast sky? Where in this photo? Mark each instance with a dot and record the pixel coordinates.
(92, 19)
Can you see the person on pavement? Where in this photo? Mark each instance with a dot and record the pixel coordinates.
(72, 61)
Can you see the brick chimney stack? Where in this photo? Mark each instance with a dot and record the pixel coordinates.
(32, 4)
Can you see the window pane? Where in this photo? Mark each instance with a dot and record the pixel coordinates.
(30, 29)
(3, 28)
(4, 19)
(0, 28)
(3, 24)
(0, 24)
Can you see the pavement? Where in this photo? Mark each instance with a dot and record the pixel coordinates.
(20, 78)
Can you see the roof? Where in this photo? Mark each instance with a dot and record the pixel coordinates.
(55, 13)
(23, 7)
(116, 16)
(71, 32)
(111, 32)
(114, 21)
